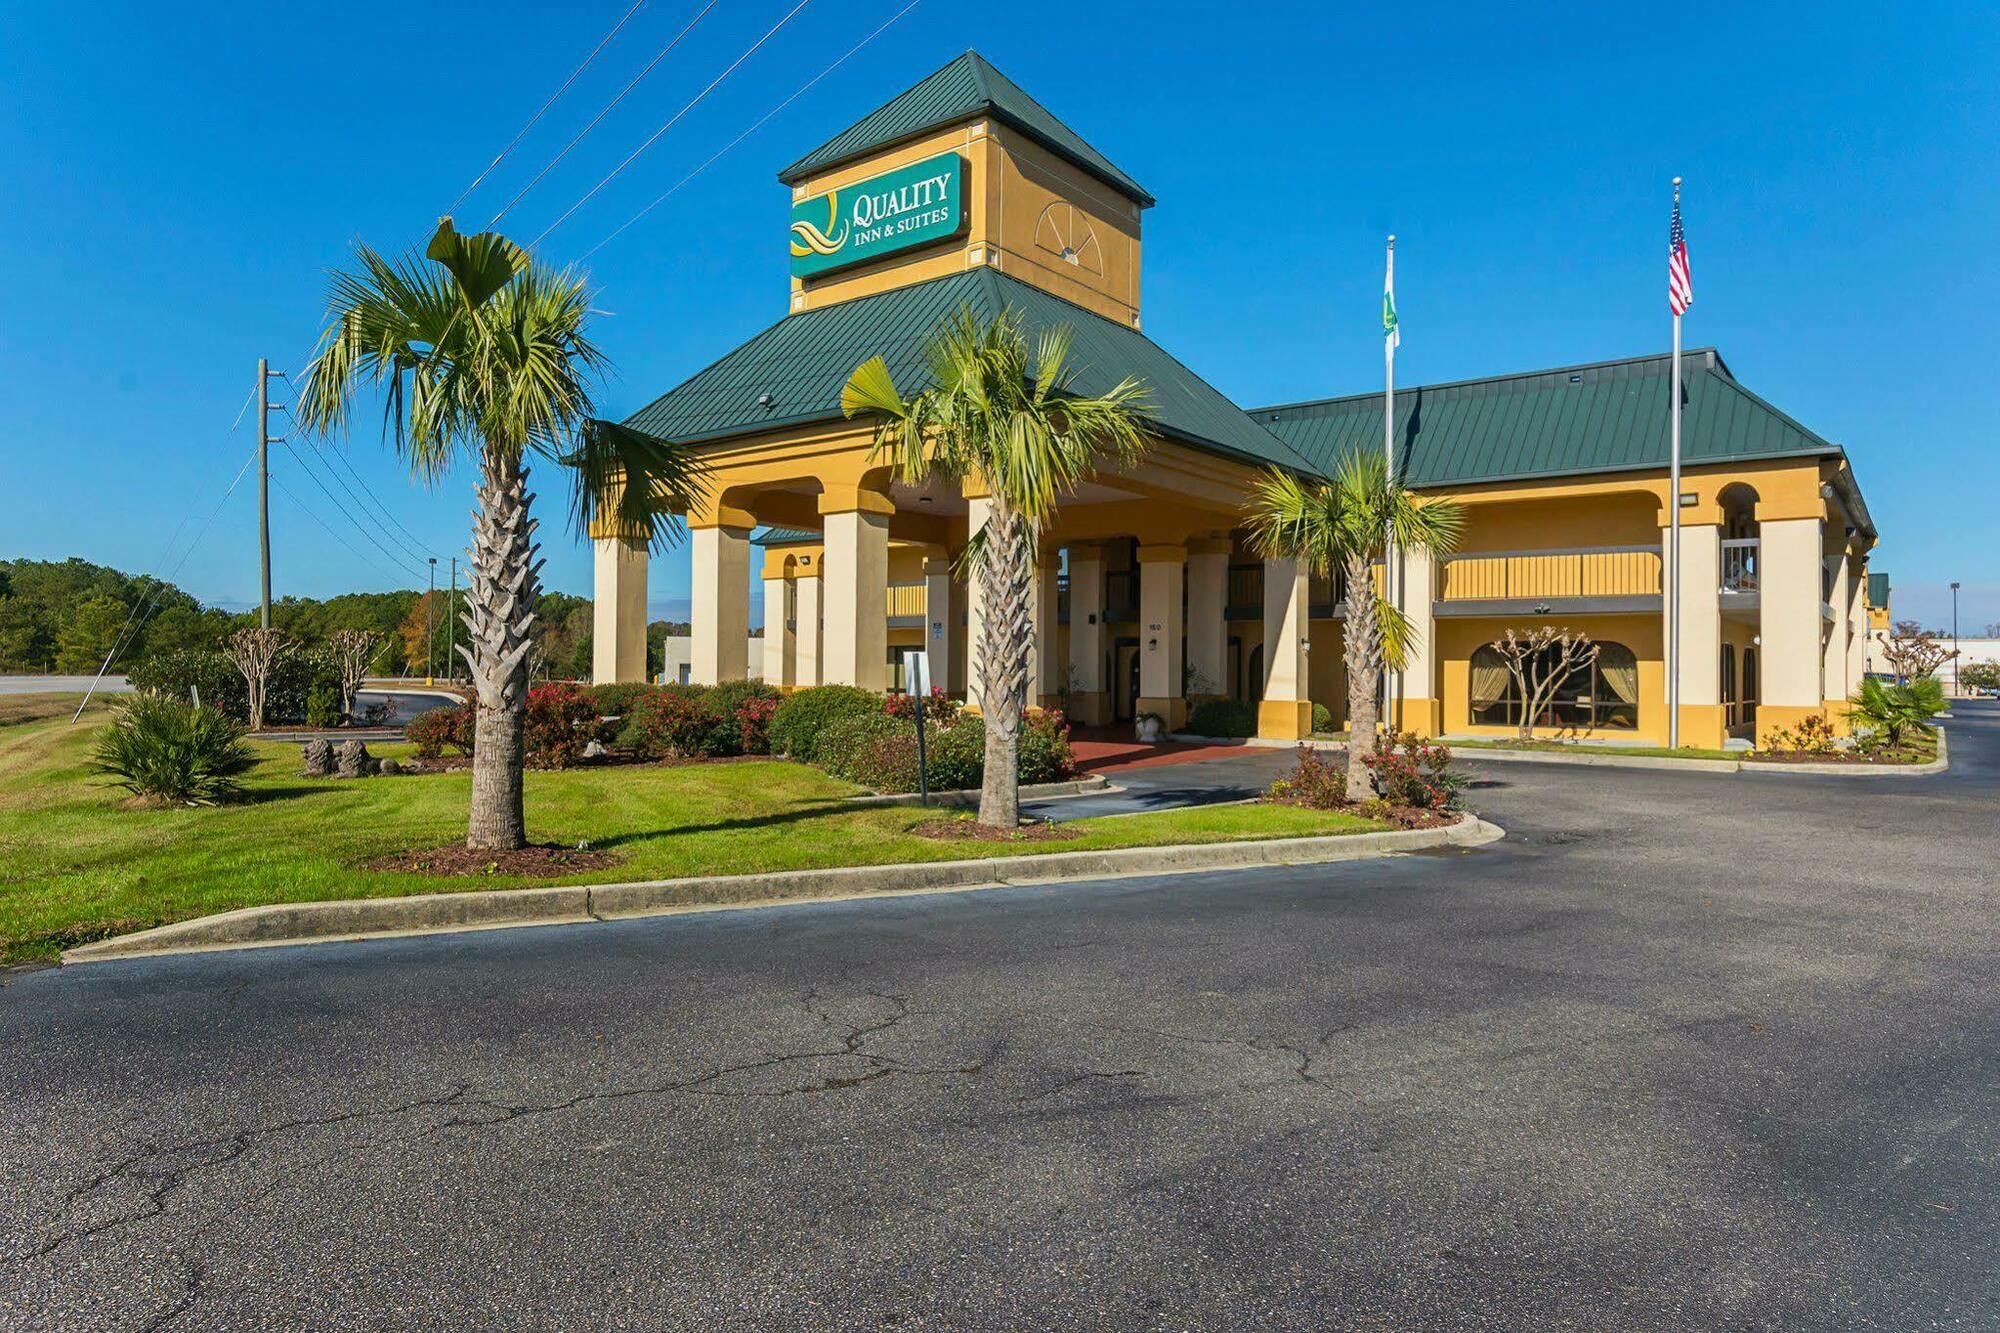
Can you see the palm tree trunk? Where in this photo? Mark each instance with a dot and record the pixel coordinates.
(499, 621)
(1362, 649)
(1006, 633)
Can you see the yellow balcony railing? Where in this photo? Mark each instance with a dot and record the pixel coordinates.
(1604, 571)
(906, 599)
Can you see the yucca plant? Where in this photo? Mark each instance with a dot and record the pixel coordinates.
(1010, 416)
(1895, 710)
(1343, 525)
(173, 753)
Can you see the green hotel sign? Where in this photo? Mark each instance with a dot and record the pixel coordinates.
(897, 210)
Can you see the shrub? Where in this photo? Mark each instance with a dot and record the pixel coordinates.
(1895, 711)
(958, 754)
(616, 700)
(848, 745)
(671, 722)
(559, 719)
(1322, 720)
(1315, 783)
(294, 678)
(207, 672)
(742, 711)
(431, 731)
(885, 760)
(1045, 754)
(939, 711)
(323, 706)
(1413, 773)
(163, 750)
(805, 715)
(1813, 735)
(1223, 717)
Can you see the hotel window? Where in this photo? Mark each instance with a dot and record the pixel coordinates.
(1604, 695)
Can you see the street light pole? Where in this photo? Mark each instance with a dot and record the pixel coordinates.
(451, 625)
(430, 626)
(1954, 638)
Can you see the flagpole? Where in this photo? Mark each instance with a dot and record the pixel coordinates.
(1673, 581)
(1393, 586)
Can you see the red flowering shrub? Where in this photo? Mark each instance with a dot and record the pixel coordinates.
(559, 720)
(939, 711)
(671, 722)
(1315, 784)
(430, 732)
(1411, 772)
(753, 724)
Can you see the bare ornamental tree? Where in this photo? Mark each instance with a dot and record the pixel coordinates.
(352, 651)
(1540, 661)
(1914, 654)
(254, 651)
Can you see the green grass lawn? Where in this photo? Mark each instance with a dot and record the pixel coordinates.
(77, 864)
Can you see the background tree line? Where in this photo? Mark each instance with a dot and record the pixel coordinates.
(63, 616)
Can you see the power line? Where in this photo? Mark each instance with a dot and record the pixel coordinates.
(604, 111)
(553, 99)
(407, 547)
(280, 483)
(413, 542)
(298, 458)
(674, 120)
(760, 123)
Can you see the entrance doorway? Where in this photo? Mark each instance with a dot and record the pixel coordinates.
(1124, 679)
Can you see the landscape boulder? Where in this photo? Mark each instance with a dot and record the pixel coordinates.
(319, 757)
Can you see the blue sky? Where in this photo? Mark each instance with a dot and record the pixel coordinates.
(180, 177)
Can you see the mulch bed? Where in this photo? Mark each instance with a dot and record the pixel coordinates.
(457, 859)
(1399, 816)
(1841, 757)
(968, 830)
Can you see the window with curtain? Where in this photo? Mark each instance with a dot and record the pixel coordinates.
(1604, 695)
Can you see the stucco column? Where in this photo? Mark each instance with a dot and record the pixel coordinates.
(1704, 716)
(805, 632)
(977, 511)
(1833, 654)
(721, 604)
(778, 635)
(1418, 706)
(1088, 703)
(1856, 612)
(1046, 669)
(1207, 627)
(938, 623)
(618, 610)
(1286, 712)
(856, 570)
(1161, 570)
(1789, 555)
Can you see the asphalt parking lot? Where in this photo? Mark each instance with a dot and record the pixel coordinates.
(1683, 1051)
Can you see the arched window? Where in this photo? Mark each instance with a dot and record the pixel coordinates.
(1604, 695)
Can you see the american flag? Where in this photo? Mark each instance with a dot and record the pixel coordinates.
(1680, 278)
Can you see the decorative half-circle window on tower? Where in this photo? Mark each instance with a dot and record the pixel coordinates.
(1067, 234)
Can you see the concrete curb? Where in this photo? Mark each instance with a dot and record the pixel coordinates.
(969, 796)
(1584, 759)
(438, 913)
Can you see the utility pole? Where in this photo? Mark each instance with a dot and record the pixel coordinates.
(264, 484)
(1954, 638)
(451, 626)
(430, 626)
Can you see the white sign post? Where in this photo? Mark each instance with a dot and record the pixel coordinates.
(917, 684)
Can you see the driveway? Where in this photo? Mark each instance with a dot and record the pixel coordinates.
(1683, 1051)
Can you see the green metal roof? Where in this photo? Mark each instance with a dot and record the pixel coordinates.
(792, 372)
(783, 537)
(965, 89)
(1610, 416)
(1878, 591)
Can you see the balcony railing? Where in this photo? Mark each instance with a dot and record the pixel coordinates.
(907, 600)
(1603, 571)
(1739, 564)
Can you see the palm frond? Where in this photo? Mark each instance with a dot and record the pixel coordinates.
(638, 481)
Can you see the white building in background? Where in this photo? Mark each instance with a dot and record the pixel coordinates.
(679, 666)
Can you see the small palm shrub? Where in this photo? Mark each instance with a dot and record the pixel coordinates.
(805, 715)
(1222, 717)
(168, 752)
(1897, 712)
(1411, 772)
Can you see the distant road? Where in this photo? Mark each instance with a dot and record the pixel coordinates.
(61, 685)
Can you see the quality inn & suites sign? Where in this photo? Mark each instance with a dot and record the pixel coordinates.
(897, 210)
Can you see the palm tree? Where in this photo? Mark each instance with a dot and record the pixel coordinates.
(481, 352)
(1896, 709)
(1015, 422)
(1344, 525)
